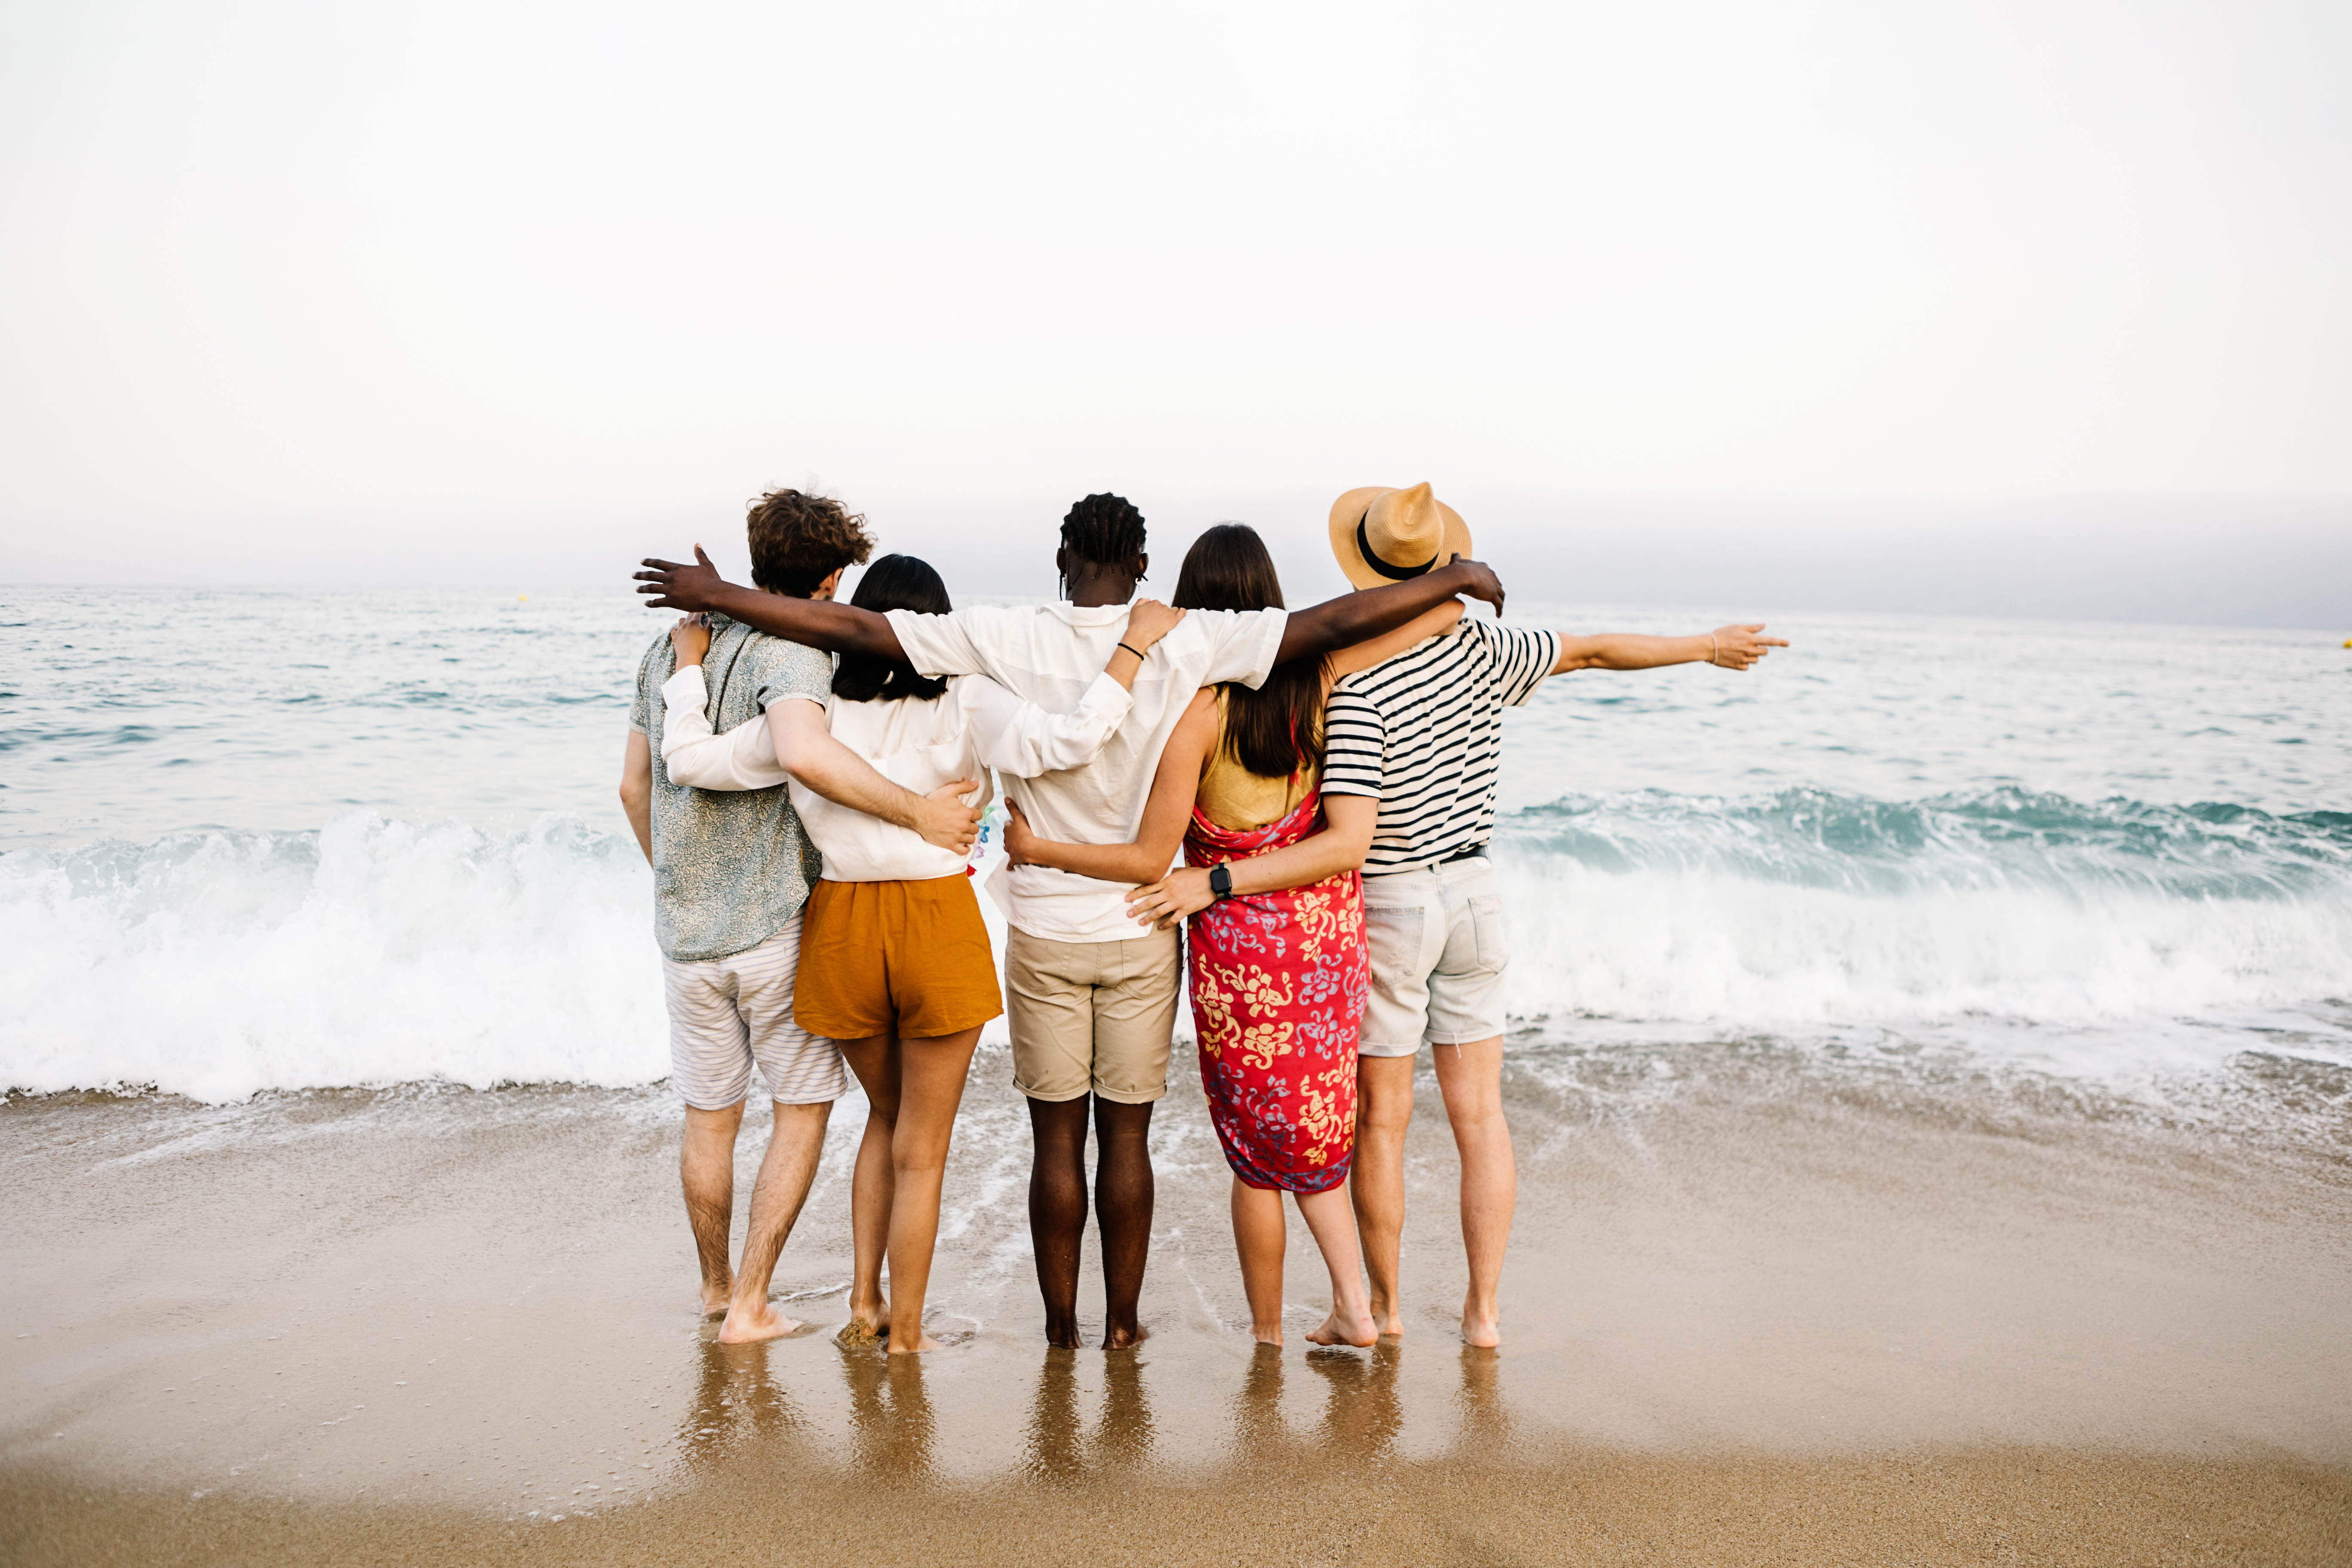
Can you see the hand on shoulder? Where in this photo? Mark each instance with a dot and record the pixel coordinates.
(1149, 620)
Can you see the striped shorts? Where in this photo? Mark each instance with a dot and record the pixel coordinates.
(727, 1013)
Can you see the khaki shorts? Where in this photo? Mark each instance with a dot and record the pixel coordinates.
(904, 958)
(1092, 1016)
(1438, 954)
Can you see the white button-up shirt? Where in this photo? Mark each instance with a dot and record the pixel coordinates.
(1048, 655)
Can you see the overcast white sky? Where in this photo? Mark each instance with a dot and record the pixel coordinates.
(346, 286)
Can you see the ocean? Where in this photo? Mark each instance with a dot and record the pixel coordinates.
(283, 840)
(1930, 1075)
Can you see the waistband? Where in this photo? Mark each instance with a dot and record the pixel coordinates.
(1467, 852)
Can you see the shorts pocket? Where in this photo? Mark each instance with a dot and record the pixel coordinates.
(1392, 939)
(1486, 933)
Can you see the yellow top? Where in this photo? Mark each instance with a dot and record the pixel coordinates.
(1233, 796)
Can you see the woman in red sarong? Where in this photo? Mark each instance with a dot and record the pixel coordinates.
(1276, 963)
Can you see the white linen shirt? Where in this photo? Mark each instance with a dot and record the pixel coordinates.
(1046, 654)
(977, 725)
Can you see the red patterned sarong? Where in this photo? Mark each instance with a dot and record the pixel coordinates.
(1278, 984)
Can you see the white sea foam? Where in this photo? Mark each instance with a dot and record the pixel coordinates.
(2096, 941)
(217, 964)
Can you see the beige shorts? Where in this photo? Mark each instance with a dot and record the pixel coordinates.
(1092, 1016)
(725, 1014)
(1438, 953)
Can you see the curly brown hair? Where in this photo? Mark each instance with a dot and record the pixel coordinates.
(798, 540)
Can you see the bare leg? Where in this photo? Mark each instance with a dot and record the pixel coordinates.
(1351, 1322)
(1383, 1111)
(875, 1060)
(706, 1169)
(785, 1173)
(1123, 1198)
(1057, 1210)
(1471, 1079)
(1260, 1236)
(933, 1073)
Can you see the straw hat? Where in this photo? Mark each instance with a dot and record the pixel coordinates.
(1383, 535)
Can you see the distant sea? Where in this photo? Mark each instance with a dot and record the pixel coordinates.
(258, 841)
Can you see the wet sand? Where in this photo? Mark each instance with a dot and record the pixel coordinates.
(1757, 1310)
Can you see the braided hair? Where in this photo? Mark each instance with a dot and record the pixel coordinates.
(1104, 531)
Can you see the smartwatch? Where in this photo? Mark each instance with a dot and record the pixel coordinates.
(1221, 881)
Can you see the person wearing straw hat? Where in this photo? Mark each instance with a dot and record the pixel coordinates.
(1423, 733)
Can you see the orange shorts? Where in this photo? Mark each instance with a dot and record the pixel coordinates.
(905, 958)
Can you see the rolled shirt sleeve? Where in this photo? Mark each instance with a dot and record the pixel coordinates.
(1523, 656)
(1355, 745)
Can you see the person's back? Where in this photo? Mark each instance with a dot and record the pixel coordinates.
(1230, 795)
(732, 867)
(1423, 733)
(732, 873)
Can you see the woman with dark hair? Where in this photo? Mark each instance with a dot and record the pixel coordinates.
(1277, 959)
(894, 959)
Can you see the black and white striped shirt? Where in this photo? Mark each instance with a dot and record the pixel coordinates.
(1423, 735)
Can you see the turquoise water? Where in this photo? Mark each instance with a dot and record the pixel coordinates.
(258, 840)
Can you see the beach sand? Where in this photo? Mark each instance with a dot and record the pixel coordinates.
(1758, 1311)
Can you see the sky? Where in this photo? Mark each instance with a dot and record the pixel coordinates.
(346, 292)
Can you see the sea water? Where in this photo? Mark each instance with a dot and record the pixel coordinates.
(257, 840)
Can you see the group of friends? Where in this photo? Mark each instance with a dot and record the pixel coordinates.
(807, 778)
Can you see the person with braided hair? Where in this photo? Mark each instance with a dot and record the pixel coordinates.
(1091, 1001)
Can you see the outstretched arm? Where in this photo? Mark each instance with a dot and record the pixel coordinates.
(814, 622)
(810, 753)
(1366, 614)
(1165, 814)
(1732, 647)
(1341, 846)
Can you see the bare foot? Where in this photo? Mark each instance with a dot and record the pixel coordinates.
(922, 1344)
(718, 1299)
(1265, 1335)
(1483, 1329)
(1388, 1320)
(749, 1322)
(1125, 1339)
(1346, 1328)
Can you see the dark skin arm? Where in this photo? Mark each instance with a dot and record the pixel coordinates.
(813, 623)
(1364, 615)
(1310, 633)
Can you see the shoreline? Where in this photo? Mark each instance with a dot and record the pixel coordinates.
(1755, 1311)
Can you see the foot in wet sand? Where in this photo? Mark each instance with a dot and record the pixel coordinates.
(1124, 1337)
(749, 1322)
(922, 1343)
(718, 1299)
(1358, 1330)
(1387, 1319)
(1061, 1333)
(858, 1332)
(1480, 1329)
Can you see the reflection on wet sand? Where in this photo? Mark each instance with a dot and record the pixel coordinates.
(1362, 1416)
(892, 1425)
(736, 1397)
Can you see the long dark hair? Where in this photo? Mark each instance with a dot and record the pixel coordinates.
(1278, 729)
(893, 583)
